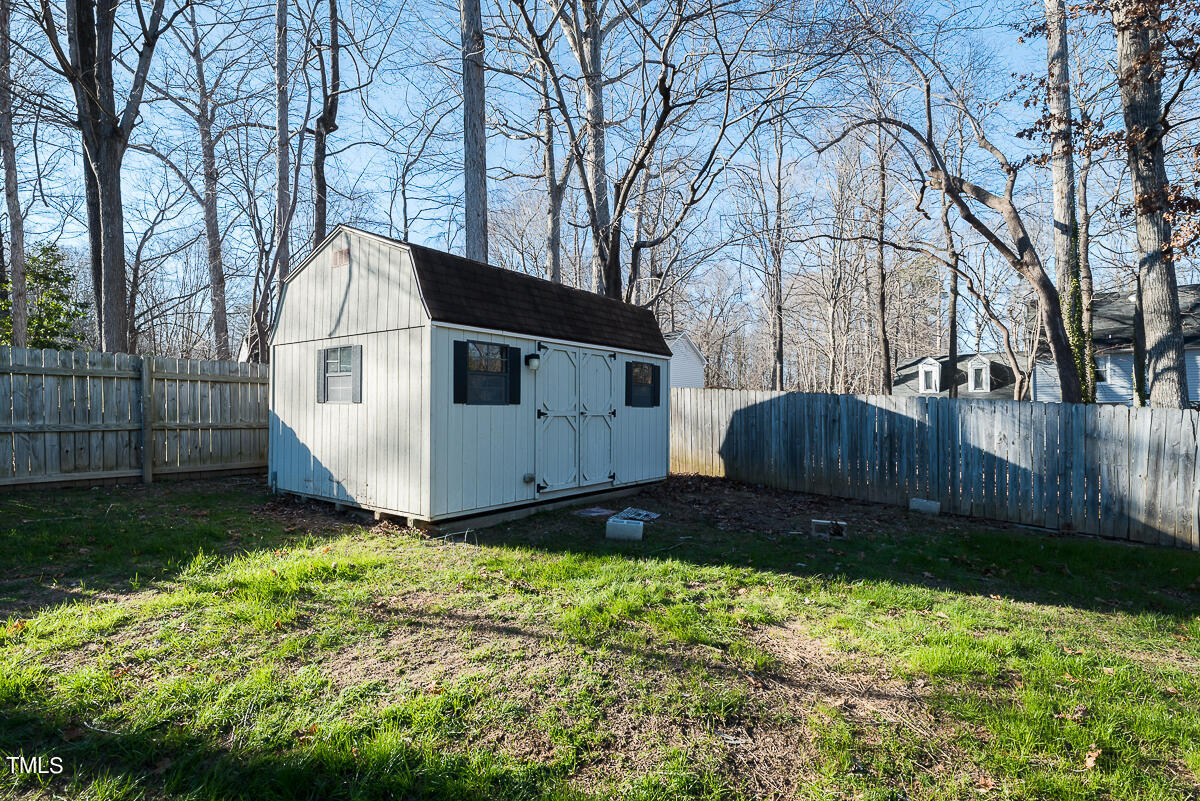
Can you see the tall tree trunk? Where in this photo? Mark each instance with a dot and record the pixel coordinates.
(107, 164)
(474, 133)
(19, 293)
(595, 157)
(91, 194)
(951, 372)
(1062, 169)
(1141, 100)
(283, 201)
(1139, 345)
(881, 332)
(212, 230)
(775, 294)
(1086, 288)
(325, 125)
(554, 191)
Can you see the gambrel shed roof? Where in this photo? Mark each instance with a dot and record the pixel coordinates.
(466, 292)
(360, 284)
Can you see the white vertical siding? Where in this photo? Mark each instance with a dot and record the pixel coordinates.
(481, 453)
(370, 454)
(641, 442)
(376, 291)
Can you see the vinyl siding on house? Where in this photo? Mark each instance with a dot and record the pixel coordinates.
(687, 364)
(1118, 388)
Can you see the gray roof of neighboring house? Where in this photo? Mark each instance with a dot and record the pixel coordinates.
(1112, 318)
(907, 376)
(466, 292)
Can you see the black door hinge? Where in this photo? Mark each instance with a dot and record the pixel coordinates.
(541, 487)
(540, 414)
(612, 356)
(612, 476)
(612, 412)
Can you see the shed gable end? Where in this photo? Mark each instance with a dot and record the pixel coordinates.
(352, 284)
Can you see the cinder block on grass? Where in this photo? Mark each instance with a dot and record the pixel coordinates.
(925, 506)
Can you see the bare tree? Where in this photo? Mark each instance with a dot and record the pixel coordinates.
(18, 292)
(87, 64)
(283, 198)
(326, 122)
(1009, 235)
(1138, 24)
(213, 76)
(881, 329)
(474, 133)
(1062, 167)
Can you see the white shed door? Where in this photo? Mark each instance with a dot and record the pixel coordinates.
(596, 410)
(557, 399)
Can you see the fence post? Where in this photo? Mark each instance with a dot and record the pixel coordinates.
(147, 419)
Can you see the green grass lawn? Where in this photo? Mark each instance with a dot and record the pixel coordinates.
(205, 641)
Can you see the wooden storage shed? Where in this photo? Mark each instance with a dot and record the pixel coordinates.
(420, 384)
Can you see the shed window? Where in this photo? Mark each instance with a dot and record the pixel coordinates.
(486, 374)
(642, 384)
(339, 376)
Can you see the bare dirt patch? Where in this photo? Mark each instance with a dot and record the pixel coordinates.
(767, 747)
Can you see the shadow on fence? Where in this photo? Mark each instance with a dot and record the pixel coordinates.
(1106, 470)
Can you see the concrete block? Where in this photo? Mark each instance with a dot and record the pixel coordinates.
(620, 529)
(924, 506)
(826, 529)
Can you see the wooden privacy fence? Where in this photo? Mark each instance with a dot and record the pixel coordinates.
(83, 416)
(1108, 470)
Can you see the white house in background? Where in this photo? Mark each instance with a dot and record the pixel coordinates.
(1114, 322)
(419, 384)
(687, 362)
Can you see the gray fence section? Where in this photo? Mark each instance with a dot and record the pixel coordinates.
(82, 416)
(1113, 471)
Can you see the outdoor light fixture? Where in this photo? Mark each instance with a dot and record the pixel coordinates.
(533, 361)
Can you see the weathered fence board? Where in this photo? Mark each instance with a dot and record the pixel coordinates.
(76, 416)
(1113, 471)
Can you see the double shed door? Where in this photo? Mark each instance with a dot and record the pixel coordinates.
(575, 399)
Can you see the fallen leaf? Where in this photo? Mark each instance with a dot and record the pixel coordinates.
(1092, 755)
(1109, 671)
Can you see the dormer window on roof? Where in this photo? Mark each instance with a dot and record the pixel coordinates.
(930, 377)
(979, 375)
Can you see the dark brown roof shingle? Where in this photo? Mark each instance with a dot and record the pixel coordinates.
(467, 292)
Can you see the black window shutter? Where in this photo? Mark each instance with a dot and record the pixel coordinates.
(656, 385)
(320, 375)
(514, 375)
(628, 383)
(460, 372)
(356, 367)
